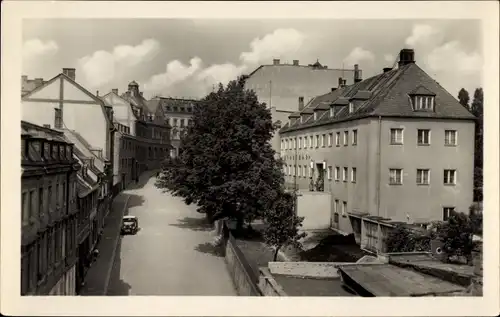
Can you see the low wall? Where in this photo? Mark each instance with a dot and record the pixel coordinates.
(315, 207)
(268, 285)
(238, 267)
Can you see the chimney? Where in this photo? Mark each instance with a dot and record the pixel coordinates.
(24, 78)
(114, 90)
(333, 89)
(38, 82)
(97, 93)
(357, 74)
(387, 69)
(341, 82)
(70, 72)
(406, 56)
(301, 103)
(295, 62)
(276, 61)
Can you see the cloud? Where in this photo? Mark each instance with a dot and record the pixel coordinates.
(101, 67)
(389, 58)
(35, 48)
(357, 55)
(446, 61)
(276, 44)
(177, 77)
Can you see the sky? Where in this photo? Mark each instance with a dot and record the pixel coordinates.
(184, 58)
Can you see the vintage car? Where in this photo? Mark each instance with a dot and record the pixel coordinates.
(130, 224)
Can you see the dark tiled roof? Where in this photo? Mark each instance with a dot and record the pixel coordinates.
(140, 102)
(388, 95)
(168, 103)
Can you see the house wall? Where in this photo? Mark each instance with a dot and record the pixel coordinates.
(315, 207)
(421, 203)
(122, 112)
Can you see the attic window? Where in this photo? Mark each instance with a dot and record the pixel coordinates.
(315, 116)
(423, 102)
(351, 107)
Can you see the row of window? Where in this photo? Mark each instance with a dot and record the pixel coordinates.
(424, 137)
(37, 202)
(395, 175)
(319, 140)
(179, 109)
(51, 151)
(423, 176)
(48, 253)
(123, 128)
(183, 122)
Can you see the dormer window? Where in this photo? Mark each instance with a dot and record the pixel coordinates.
(332, 111)
(315, 116)
(421, 102)
(46, 151)
(351, 107)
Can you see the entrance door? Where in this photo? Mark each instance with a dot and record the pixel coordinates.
(320, 184)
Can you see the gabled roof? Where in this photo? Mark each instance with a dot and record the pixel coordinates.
(85, 91)
(82, 150)
(388, 95)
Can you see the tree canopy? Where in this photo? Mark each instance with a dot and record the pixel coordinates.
(463, 97)
(477, 110)
(226, 163)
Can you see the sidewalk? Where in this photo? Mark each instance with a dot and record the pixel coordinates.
(97, 277)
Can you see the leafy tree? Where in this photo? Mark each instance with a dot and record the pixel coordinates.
(404, 239)
(282, 224)
(477, 110)
(226, 164)
(463, 97)
(476, 218)
(456, 235)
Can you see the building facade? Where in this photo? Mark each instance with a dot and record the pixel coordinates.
(280, 85)
(396, 147)
(49, 212)
(62, 103)
(179, 113)
(152, 131)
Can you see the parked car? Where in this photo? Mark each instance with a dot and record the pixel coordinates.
(130, 225)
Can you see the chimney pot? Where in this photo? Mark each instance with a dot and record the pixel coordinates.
(296, 62)
(357, 74)
(97, 93)
(387, 69)
(70, 72)
(301, 103)
(333, 88)
(406, 56)
(341, 82)
(114, 90)
(276, 61)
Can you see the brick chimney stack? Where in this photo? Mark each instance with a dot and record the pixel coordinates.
(301, 103)
(276, 61)
(70, 72)
(115, 91)
(295, 62)
(357, 74)
(406, 56)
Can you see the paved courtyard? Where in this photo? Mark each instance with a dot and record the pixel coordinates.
(171, 253)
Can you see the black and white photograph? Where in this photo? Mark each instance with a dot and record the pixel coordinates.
(334, 157)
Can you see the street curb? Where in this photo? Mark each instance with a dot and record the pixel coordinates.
(108, 273)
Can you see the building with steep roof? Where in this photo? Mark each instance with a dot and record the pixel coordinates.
(179, 113)
(151, 129)
(280, 85)
(396, 147)
(49, 249)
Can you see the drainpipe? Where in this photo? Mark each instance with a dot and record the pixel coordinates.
(379, 176)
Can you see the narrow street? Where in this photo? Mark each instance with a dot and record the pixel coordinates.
(171, 254)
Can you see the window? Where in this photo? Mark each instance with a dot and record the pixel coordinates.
(351, 107)
(337, 206)
(33, 203)
(41, 202)
(317, 141)
(447, 212)
(397, 136)
(315, 115)
(450, 177)
(353, 175)
(330, 139)
(423, 137)
(57, 119)
(423, 102)
(337, 139)
(337, 173)
(336, 218)
(311, 141)
(329, 172)
(300, 142)
(344, 208)
(346, 138)
(395, 176)
(354, 137)
(323, 137)
(310, 172)
(300, 171)
(344, 174)
(423, 177)
(175, 123)
(450, 137)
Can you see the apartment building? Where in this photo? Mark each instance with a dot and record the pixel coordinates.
(63, 104)
(126, 169)
(28, 85)
(281, 84)
(179, 113)
(396, 147)
(49, 212)
(152, 131)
